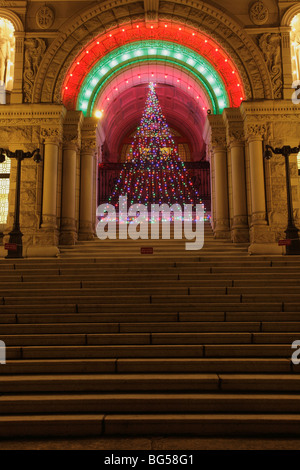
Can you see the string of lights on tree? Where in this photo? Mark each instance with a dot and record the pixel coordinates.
(153, 172)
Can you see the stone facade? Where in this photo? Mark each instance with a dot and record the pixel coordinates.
(58, 196)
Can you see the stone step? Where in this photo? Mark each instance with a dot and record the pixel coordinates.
(117, 291)
(203, 279)
(188, 306)
(144, 338)
(140, 299)
(203, 365)
(108, 383)
(88, 323)
(149, 403)
(110, 351)
(151, 424)
(146, 365)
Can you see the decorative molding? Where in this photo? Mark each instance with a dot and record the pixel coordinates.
(151, 11)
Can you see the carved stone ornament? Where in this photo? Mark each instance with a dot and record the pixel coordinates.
(51, 134)
(270, 45)
(88, 145)
(236, 136)
(218, 142)
(34, 50)
(44, 17)
(259, 13)
(256, 130)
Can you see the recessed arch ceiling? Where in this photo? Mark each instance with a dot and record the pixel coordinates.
(176, 34)
(165, 52)
(125, 111)
(152, 71)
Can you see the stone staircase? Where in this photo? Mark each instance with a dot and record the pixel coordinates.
(106, 341)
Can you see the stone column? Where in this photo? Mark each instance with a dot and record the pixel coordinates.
(239, 230)
(257, 180)
(68, 234)
(86, 229)
(72, 139)
(90, 142)
(214, 134)
(221, 224)
(49, 203)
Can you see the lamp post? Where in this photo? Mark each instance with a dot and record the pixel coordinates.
(15, 247)
(292, 233)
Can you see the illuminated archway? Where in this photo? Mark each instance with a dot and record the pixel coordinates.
(198, 44)
(165, 52)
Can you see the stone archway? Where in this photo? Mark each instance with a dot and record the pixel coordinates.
(80, 30)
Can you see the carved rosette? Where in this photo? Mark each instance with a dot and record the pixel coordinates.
(259, 13)
(44, 17)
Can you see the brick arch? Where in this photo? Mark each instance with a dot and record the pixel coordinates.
(81, 29)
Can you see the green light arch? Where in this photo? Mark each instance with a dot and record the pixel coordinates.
(144, 51)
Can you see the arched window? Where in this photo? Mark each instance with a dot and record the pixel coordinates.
(7, 57)
(295, 47)
(4, 191)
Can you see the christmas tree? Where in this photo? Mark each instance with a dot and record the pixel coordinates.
(153, 172)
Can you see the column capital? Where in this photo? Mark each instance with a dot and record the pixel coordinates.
(255, 132)
(51, 135)
(88, 146)
(236, 138)
(218, 143)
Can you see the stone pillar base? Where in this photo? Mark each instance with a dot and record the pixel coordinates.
(266, 249)
(86, 231)
(68, 238)
(222, 234)
(46, 237)
(36, 251)
(240, 235)
(83, 236)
